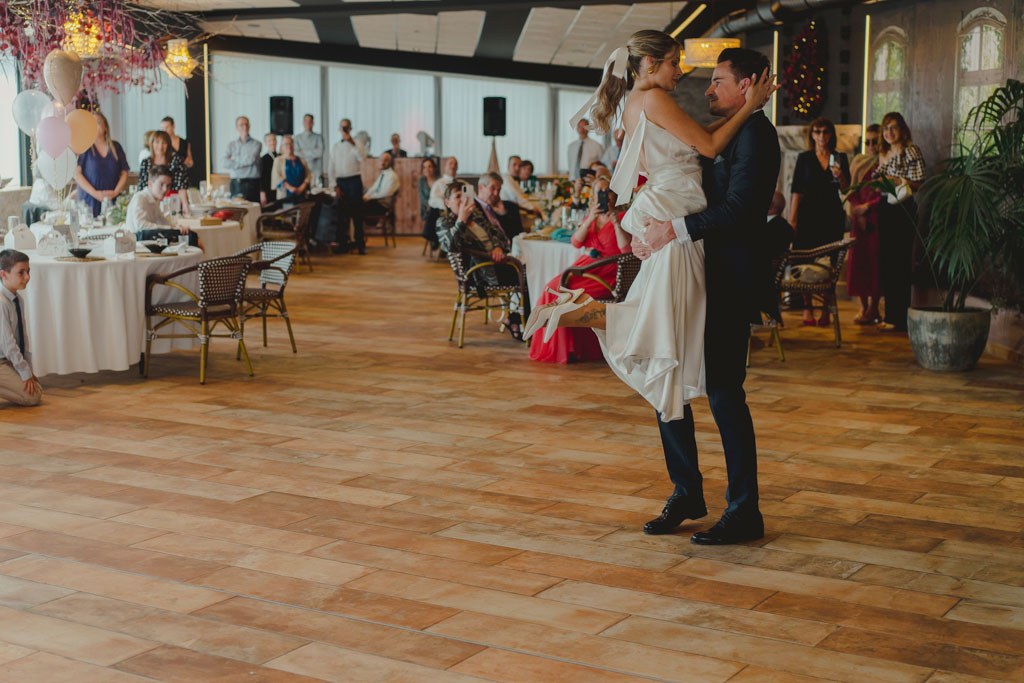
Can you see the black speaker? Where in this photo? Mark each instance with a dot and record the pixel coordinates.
(281, 115)
(494, 116)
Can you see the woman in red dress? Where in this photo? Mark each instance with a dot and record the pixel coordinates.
(601, 234)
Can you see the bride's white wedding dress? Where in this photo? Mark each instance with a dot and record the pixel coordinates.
(654, 340)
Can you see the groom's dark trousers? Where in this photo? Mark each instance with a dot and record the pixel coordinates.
(739, 185)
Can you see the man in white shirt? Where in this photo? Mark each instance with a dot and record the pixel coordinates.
(584, 151)
(344, 167)
(18, 382)
(511, 191)
(611, 155)
(242, 159)
(143, 213)
(380, 198)
(310, 146)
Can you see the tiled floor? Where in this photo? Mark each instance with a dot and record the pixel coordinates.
(386, 507)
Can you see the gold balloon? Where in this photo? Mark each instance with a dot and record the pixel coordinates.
(84, 130)
(62, 72)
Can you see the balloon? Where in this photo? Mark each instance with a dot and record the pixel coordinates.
(53, 136)
(84, 130)
(28, 109)
(53, 109)
(62, 72)
(57, 172)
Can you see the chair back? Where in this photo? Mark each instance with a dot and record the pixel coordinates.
(627, 268)
(458, 263)
(221, 281)
(280, 255)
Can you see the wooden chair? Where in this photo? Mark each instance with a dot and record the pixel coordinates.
(497, 297)
(290, 224)
(382, 222)
(627, 267)
(234, 214)
(823, 291)
(221, 282)
(277, 258)
(773, 319)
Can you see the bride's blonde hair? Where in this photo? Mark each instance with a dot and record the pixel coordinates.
(646, 43)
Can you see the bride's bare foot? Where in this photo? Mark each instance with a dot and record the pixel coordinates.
(592, 314)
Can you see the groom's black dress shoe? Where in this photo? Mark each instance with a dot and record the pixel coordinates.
(729, 530)
(677, 508)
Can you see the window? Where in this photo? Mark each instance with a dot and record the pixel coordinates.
(10, 160)
(136, 111)
(980, 63)
(889, 73)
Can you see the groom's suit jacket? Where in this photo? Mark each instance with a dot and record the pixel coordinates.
(739, 185)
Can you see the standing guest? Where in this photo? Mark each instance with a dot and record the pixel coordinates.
(144, 217)
(501, 213)
(179, 145)
(396, 150)
(345, 167)
(380, 198)
(817, 214)
(428, 214)
(900, 161)
(584, 151)
(147, 138)
(611, 155)
(511, 191)
(862, 270)
(602, 235)
(242, 159)
(266, 166)
(290, 175)
(102, 169)
(310, 147)
(18, 383)
(449, 168)
(160, 155)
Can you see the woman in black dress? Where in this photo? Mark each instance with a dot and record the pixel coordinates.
(179, 147)
(817, 214)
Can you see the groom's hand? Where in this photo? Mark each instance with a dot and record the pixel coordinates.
(640, 250)
(659, 233)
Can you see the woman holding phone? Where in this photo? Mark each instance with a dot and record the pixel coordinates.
(816, 212)
(602, 235)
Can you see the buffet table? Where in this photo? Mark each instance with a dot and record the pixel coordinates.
(544, 260)
(88, 316)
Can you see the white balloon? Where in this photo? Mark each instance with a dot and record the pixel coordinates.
(27, 109)
(53, 109)
(57, 172)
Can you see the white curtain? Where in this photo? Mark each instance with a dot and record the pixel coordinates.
(569, 102)
(380, 102)
(527, 122)
(135, 111)
(243, 86)
(9, 160)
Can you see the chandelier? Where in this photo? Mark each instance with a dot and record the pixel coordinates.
(683, 65)
(178, 62)
(704, 51)
(82, 36)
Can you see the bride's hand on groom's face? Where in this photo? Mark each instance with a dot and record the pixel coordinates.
(761, 88)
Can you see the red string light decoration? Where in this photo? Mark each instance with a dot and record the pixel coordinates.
(804, 72)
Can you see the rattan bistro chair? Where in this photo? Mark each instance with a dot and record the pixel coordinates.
(382, 222)
(826, 262)
(505, 298)
(772, 319)
(627, 268)
(277, 258)
(290, 224)
(221, 282)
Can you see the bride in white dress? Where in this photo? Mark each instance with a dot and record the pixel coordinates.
(654, 339)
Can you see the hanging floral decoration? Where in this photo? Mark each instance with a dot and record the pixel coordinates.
(121, 44)
(803, 75)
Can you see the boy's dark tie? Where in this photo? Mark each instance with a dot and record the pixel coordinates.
(20, 334)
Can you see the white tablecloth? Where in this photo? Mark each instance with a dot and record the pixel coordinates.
(544, 259)
(90, 316)
(249, 224)
(223, 240)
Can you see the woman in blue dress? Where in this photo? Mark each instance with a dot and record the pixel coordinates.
(290, 175)
(102, 171)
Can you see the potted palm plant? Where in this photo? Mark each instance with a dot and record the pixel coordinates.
(975, 232)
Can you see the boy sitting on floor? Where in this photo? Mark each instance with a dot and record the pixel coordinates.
(18, 383)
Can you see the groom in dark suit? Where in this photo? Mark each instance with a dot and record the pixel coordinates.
(739, 185)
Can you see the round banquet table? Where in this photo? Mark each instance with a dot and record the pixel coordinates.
(218, 240)
(251, 216)
(89, 316)
(544, 260)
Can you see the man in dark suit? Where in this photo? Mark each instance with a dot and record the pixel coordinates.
(739, 187)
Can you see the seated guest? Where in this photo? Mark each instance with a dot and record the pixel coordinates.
(267, 192)
(147, 139)
(396, 150)
(501, 213)
(380, 198)
(601, 233)
(18, 383)
(527, 180)
(144, 217)
(512, 192)
(289, 176)
(449, 168)
(42, 198)
(428, 214)
(464, 225)
(772, 243)
(162, 155)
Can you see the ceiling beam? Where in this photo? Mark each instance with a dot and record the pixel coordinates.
(420, 61)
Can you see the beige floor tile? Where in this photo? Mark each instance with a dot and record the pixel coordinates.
(43, 666)
(513, 667)
(178, 665)
(75, 641)
(331, 663)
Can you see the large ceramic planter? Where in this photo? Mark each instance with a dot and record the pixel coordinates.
(946, 341)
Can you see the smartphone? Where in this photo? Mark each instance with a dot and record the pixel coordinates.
(602, 201)
(831, 160)
(587, 173)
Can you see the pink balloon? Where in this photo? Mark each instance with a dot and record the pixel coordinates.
(54, 135)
